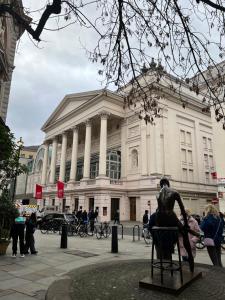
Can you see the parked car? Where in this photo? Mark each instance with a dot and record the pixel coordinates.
(57, 217)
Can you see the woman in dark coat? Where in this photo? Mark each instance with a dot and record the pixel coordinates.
(31, 225)
(212, 226)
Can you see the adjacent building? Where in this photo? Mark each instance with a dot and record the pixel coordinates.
(112, 160)
(10, 32)
(27, 157)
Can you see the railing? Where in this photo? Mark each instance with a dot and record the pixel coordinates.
(116, 181)
(91, 182)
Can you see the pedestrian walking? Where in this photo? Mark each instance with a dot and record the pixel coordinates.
(212, 226)
(193, 225)
(117, 217)
(91, 217)
(31, 225)
(96, 215)
(17, 231)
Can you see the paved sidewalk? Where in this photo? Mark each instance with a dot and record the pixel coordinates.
(29, 278)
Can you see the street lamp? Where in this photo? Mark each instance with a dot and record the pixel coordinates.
(19, 147)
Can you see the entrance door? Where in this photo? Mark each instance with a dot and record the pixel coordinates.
(115, 205)
(133, 209)
(64, 205)
(76, 203)
(91, 203)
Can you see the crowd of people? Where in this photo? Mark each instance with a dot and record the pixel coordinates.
(23, 229)
(211, 224)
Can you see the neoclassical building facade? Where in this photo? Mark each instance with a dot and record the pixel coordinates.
(10, 32)
(110, 159)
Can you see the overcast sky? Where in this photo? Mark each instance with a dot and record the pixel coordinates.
(42, 77)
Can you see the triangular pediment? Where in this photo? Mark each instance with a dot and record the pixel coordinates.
(69, 104)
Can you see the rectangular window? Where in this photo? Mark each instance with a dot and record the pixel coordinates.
(211, 161)
(204, 139)
(207, 178)
(209, 144)
(104, 211)
(206, 160)
(182, 137)
(53, 202)
(184, 174)
(183, 156)
(188, 138)
(190, 160)
(191, 175)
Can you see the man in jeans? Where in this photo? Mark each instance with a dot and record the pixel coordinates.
(17, 231)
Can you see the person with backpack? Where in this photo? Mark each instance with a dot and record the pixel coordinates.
(31, 225)
(17, 232)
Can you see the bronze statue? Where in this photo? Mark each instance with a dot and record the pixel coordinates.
(166, 217)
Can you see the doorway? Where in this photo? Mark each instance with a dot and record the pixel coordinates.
(133, 208)
(115, 205)
(76, 204)
(91, 203)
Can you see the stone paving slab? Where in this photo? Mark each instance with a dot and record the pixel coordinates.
(16, 296)
(11, 283)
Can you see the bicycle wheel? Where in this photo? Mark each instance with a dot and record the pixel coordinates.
(98, 232)
(107, 231)
(44, 229)
(81, 231)
(147, 236)
(200, 244)
(90, 232)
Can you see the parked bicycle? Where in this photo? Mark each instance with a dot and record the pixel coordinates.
(102, 230)
(146, 234)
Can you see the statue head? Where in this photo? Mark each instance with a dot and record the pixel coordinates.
(164, 181)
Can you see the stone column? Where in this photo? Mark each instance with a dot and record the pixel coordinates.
(62, 168)
(123, 148)
(144, 163)
(87, 151)
(53, 160)
(73, 169)
(45, 164)
(103, 145)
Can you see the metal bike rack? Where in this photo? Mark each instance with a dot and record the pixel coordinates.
(121, 229)
(138, 227)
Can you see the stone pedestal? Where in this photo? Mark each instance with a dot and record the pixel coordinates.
(171, 284)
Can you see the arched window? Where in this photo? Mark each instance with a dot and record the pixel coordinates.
(134, 159)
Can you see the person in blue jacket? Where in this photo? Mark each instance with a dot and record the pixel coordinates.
(212, 226)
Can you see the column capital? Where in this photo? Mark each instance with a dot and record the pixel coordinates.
(104, 115)
(123, 122)
(47, 142)
(75, 128)
(88, 122)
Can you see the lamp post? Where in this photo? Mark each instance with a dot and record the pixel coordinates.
(19, 147)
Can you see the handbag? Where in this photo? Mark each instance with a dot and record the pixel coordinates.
(210, 242)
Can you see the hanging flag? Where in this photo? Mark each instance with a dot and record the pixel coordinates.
(214, 175)
(38, 191)
(60, 189)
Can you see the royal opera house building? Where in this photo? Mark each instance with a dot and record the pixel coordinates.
(110, 159)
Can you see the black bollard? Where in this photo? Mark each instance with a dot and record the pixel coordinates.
(64, 237)
(114, 239)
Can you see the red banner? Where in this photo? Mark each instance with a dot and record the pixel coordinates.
(60, 189)
(214, 175)
(38, 191)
